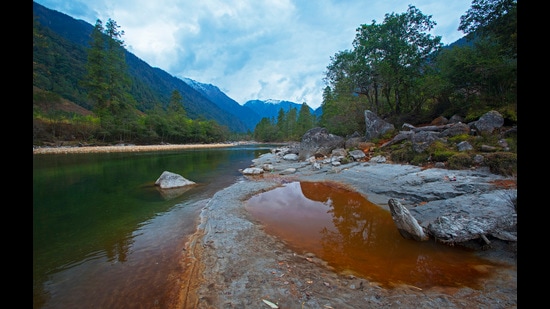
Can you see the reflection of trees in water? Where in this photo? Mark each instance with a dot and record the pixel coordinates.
(119, 250)
(363, 238)
(425, 270)
(356, 225)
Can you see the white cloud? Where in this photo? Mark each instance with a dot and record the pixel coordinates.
(252, 49)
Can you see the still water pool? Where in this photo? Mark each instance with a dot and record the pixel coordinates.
(357, 237)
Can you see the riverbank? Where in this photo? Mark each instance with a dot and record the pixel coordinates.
(125, 148)
(231, 262)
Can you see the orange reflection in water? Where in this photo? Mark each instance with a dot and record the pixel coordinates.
(354, 235)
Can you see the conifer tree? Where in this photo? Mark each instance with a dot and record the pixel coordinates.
(107, 79)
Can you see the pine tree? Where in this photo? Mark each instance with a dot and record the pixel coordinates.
(107, 79)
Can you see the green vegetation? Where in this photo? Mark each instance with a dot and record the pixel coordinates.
(289, 126)
(403, 74)
(106, 84)
(395, 69)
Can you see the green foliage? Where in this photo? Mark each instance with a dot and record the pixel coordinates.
(512, 143)
(289, 126)
(442, 155)
(305, 121)
(346, 160)
(509, 113)
(403, 153)
(420, 159)
(440, 151)
(343, 116)
(459, 160)
(386, 136)
(395, 69)
(503, 163)
(473, 114)
(58, 65)
(459, 138)
(382, 73)
(494, 19)
(175, 105)
(265, 130)
(107, 80)
(400, 71)
(487, 139)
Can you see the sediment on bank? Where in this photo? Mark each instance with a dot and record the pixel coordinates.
(124, 148)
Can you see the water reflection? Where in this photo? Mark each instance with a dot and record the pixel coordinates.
(104, 236)
(355, 236)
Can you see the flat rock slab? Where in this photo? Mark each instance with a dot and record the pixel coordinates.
(433, 196)
(239, 264)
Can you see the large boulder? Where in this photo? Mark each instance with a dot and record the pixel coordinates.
(487, 123)
(168, 180)
(376, 126)
(319, 142)
(406, 224)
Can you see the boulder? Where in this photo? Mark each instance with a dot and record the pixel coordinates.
(253, 171)
(168, 180)
(319, 142)
(406, 224)
(376, 126)
(487, 123)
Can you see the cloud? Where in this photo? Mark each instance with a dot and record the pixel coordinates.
(276, 49)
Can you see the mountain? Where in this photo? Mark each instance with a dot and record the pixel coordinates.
(214, 94)
(270, 108)
(60, 65)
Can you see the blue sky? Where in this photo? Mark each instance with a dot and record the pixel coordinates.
(252, 49)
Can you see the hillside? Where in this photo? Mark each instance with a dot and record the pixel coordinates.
(248, 116)
(64, 105)
(59, 55)
(271, 108)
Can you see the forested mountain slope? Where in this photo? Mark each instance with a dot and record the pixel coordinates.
(59, 66)
(271, 108)
(214, 94)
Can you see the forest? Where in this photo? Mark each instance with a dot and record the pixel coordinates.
(395, 69)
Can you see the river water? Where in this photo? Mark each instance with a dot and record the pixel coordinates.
(104, 236)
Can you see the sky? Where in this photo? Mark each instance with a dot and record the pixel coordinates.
(252, 49)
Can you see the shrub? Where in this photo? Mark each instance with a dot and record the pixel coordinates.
(509, 114)
(442, 155)
(420, 159)
(459, 138)
(403, 154)
(460, 161)
(503, 163)
(440, 151)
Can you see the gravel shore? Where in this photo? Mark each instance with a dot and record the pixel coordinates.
(124, 148)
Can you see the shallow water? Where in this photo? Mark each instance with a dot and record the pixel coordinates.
(358, 237)
(105, 237)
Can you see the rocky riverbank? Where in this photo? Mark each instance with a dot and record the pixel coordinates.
(231, 262)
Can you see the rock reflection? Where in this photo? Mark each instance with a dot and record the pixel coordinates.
(355, 236)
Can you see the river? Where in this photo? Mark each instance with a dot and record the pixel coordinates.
(104, 236)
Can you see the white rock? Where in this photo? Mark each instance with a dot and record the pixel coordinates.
(172, 180)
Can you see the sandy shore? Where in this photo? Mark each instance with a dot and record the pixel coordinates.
(125, 148)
